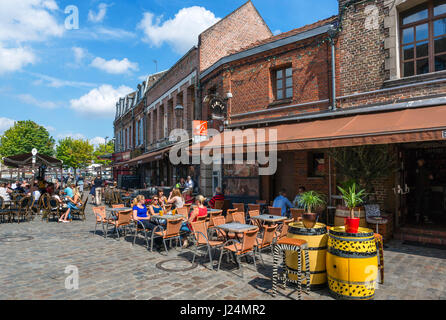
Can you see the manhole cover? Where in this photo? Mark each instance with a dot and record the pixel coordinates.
(176, 265)
(15, 238)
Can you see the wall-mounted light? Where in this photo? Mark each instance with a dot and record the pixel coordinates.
(179, 111)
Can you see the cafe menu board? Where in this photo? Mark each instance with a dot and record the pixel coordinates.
(241, 180)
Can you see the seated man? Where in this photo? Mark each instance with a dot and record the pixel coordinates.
(282, 202)
(219, 196)
(296, 201)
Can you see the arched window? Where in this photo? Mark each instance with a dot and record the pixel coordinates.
(423, 38)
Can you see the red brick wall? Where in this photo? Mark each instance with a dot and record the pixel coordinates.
(250, 82)
(240, 29)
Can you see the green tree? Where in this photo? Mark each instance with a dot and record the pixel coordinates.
(23, 137)
(76, 154)
(104, 149)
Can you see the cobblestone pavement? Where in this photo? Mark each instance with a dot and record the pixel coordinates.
(114, 269)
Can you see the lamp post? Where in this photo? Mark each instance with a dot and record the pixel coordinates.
(332, 33)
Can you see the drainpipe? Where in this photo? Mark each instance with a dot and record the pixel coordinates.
(332, 32)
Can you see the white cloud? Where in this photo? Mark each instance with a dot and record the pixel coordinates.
(79, 54)
(102, 11)
(100, 101)
(23, 21)
(75, 136)
(5, 124)
(59, 83)
(50, 128)
(181, 32)
(28, 20)
(277, 32)
(114, 66)
(15, 58)
(97, 141)
(29, 99)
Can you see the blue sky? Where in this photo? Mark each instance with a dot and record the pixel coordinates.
(69, 80)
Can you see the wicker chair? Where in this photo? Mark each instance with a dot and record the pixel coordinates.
(247, 247)
(296, 214)
(267, 240)
(201, 240)
(275, 211)
(239, 206)
(122, 221)
(171, 232)
(81, 211)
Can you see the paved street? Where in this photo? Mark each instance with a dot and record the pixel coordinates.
(111, 269)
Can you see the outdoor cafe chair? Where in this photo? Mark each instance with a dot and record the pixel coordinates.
(214, 214)
(81, 211)
(243, 249)
(123, 220)
(296, 214)
(282, 230)
(239, 206)
(255, 222)
(267, 239)
(254, 207)
(229, 217)
(218, 221)
(22, 211)
(201, 240)
(219, 204)
(239, 217)
(275, 211)
(171, 232)
(53, 209)
(184, 211)
(3, 210)
(101, 218)
(260, 201)
(139, 227)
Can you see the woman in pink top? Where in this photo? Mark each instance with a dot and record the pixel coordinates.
(199, 211)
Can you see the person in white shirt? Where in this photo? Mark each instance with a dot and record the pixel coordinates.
(5, 192)
(189, 183)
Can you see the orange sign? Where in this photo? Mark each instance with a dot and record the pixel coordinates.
(200, 128)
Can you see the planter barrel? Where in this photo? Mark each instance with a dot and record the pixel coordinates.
(344, 212)
(317, 243)
(352, 264)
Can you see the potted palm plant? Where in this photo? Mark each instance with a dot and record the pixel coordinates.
(310, 200)
(352, 199)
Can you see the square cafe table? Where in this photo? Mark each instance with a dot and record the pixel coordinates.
(269, 218)
(235, 227)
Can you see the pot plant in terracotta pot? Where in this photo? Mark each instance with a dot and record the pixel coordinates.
(310, 200)
(352, 199)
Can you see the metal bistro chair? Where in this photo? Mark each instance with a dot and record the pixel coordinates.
(239, 206)
(171, 232)
(229, 214)
(214, 214)
(219, 204)
(239, 217)
(247, 247)
(81, 212)
(4, 211)
(275, 211)
(122, 221)
(184, 211)
(255, 222)
(53, 209)
(139, 227)
(267, 240)
(254, 207)
(296, 214)
(282, 230)
(201, 240)
(101, 218)
(23, 209)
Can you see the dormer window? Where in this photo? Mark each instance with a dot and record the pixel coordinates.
(423, 38)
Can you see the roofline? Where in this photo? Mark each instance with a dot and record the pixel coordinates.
(267, 47)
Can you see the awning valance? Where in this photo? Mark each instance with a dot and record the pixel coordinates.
(409, 125)
(25, 160)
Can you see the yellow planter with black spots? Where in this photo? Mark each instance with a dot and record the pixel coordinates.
(317, 243)
(352, 264)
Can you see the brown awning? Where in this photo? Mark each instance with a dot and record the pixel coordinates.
(149, 157)
(25, 160)
(409, 125)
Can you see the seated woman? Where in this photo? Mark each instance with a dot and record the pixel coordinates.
(199, 211)
(188, 198)
(162, 198)
(74, 203)
(176, 199)
(140, 213)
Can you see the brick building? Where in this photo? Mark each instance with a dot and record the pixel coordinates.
(390, 73)
(173, 100)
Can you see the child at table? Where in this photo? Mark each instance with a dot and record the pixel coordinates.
(199, 211)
